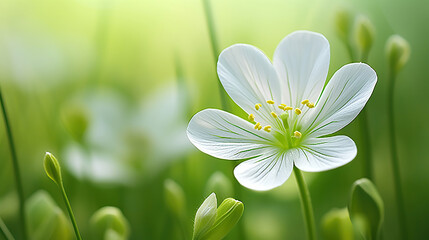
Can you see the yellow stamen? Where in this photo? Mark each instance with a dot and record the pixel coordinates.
(288, 108)
(297, 134)
(270, 101)
(257, 106)
(282, 107)
(305, 101)
(274, 114)
(298, 111)
(310, 105)
(267, 128)
(257, 125)
(251, 117)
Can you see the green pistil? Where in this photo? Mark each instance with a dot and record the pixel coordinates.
(290, 141)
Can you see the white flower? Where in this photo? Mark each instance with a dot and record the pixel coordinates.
(290, 111)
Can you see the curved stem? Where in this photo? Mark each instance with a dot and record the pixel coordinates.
(395, 160)
(5, 231)
(307, 208)
(16, 170)
(69, 209)
(215, 51)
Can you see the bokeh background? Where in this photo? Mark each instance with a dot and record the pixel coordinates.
(134, 72)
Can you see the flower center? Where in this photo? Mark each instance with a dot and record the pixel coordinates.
(285, 121)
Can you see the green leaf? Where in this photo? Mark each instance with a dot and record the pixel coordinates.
(366, 209)
(46, 221)
(108, 223)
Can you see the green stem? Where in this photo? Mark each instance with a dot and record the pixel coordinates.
(69, 209)
(365, 135)
(5, 231)
(395, 160)
(215, 51)
(17, 172)
(366, 149)
(307, 208)
(183, 89)
(102, 27)
(350, 50)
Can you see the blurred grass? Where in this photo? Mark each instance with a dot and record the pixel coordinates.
(50, 51)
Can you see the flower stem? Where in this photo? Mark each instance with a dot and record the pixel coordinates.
(17, 172)
(365, 135)
(69, 209)
(100, 40)
(366, 149)
(5, 231)
(307, 208)
(365, 138)
(395, 160)
(215, 51)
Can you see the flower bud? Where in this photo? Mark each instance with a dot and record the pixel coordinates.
(52, 168)
(397, 52)
(227, 216)
(336, 225)
(342, 23)
(46, 221)
(205, 217)
(174, 198)
(366, 209)
(364, 33)
(108, 223)
(220, 184)
(76, 120)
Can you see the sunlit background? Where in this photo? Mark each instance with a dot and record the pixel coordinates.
(129, 74)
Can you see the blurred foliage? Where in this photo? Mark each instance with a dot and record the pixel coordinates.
(95, 81)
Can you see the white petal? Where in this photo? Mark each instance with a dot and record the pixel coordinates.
(321, 154)
(267, 171)
(342, 100)
(226, 136)
(248, 76)
(302, 62)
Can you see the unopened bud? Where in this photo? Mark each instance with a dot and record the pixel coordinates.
(364, 33)
(342, 23)
(46, 221)
(52, 168)
(366, 209)
(76, 120)
(397, 52)
(220, 184)
(174, 197)
(228, 214)
(205, 217)
(336, 225)
(108, 223)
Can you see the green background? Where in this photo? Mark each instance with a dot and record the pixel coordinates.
(53, 53)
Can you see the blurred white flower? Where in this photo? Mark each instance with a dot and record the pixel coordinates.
(290, 111)
(161, 120)
(102, 156)
(122, 143)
